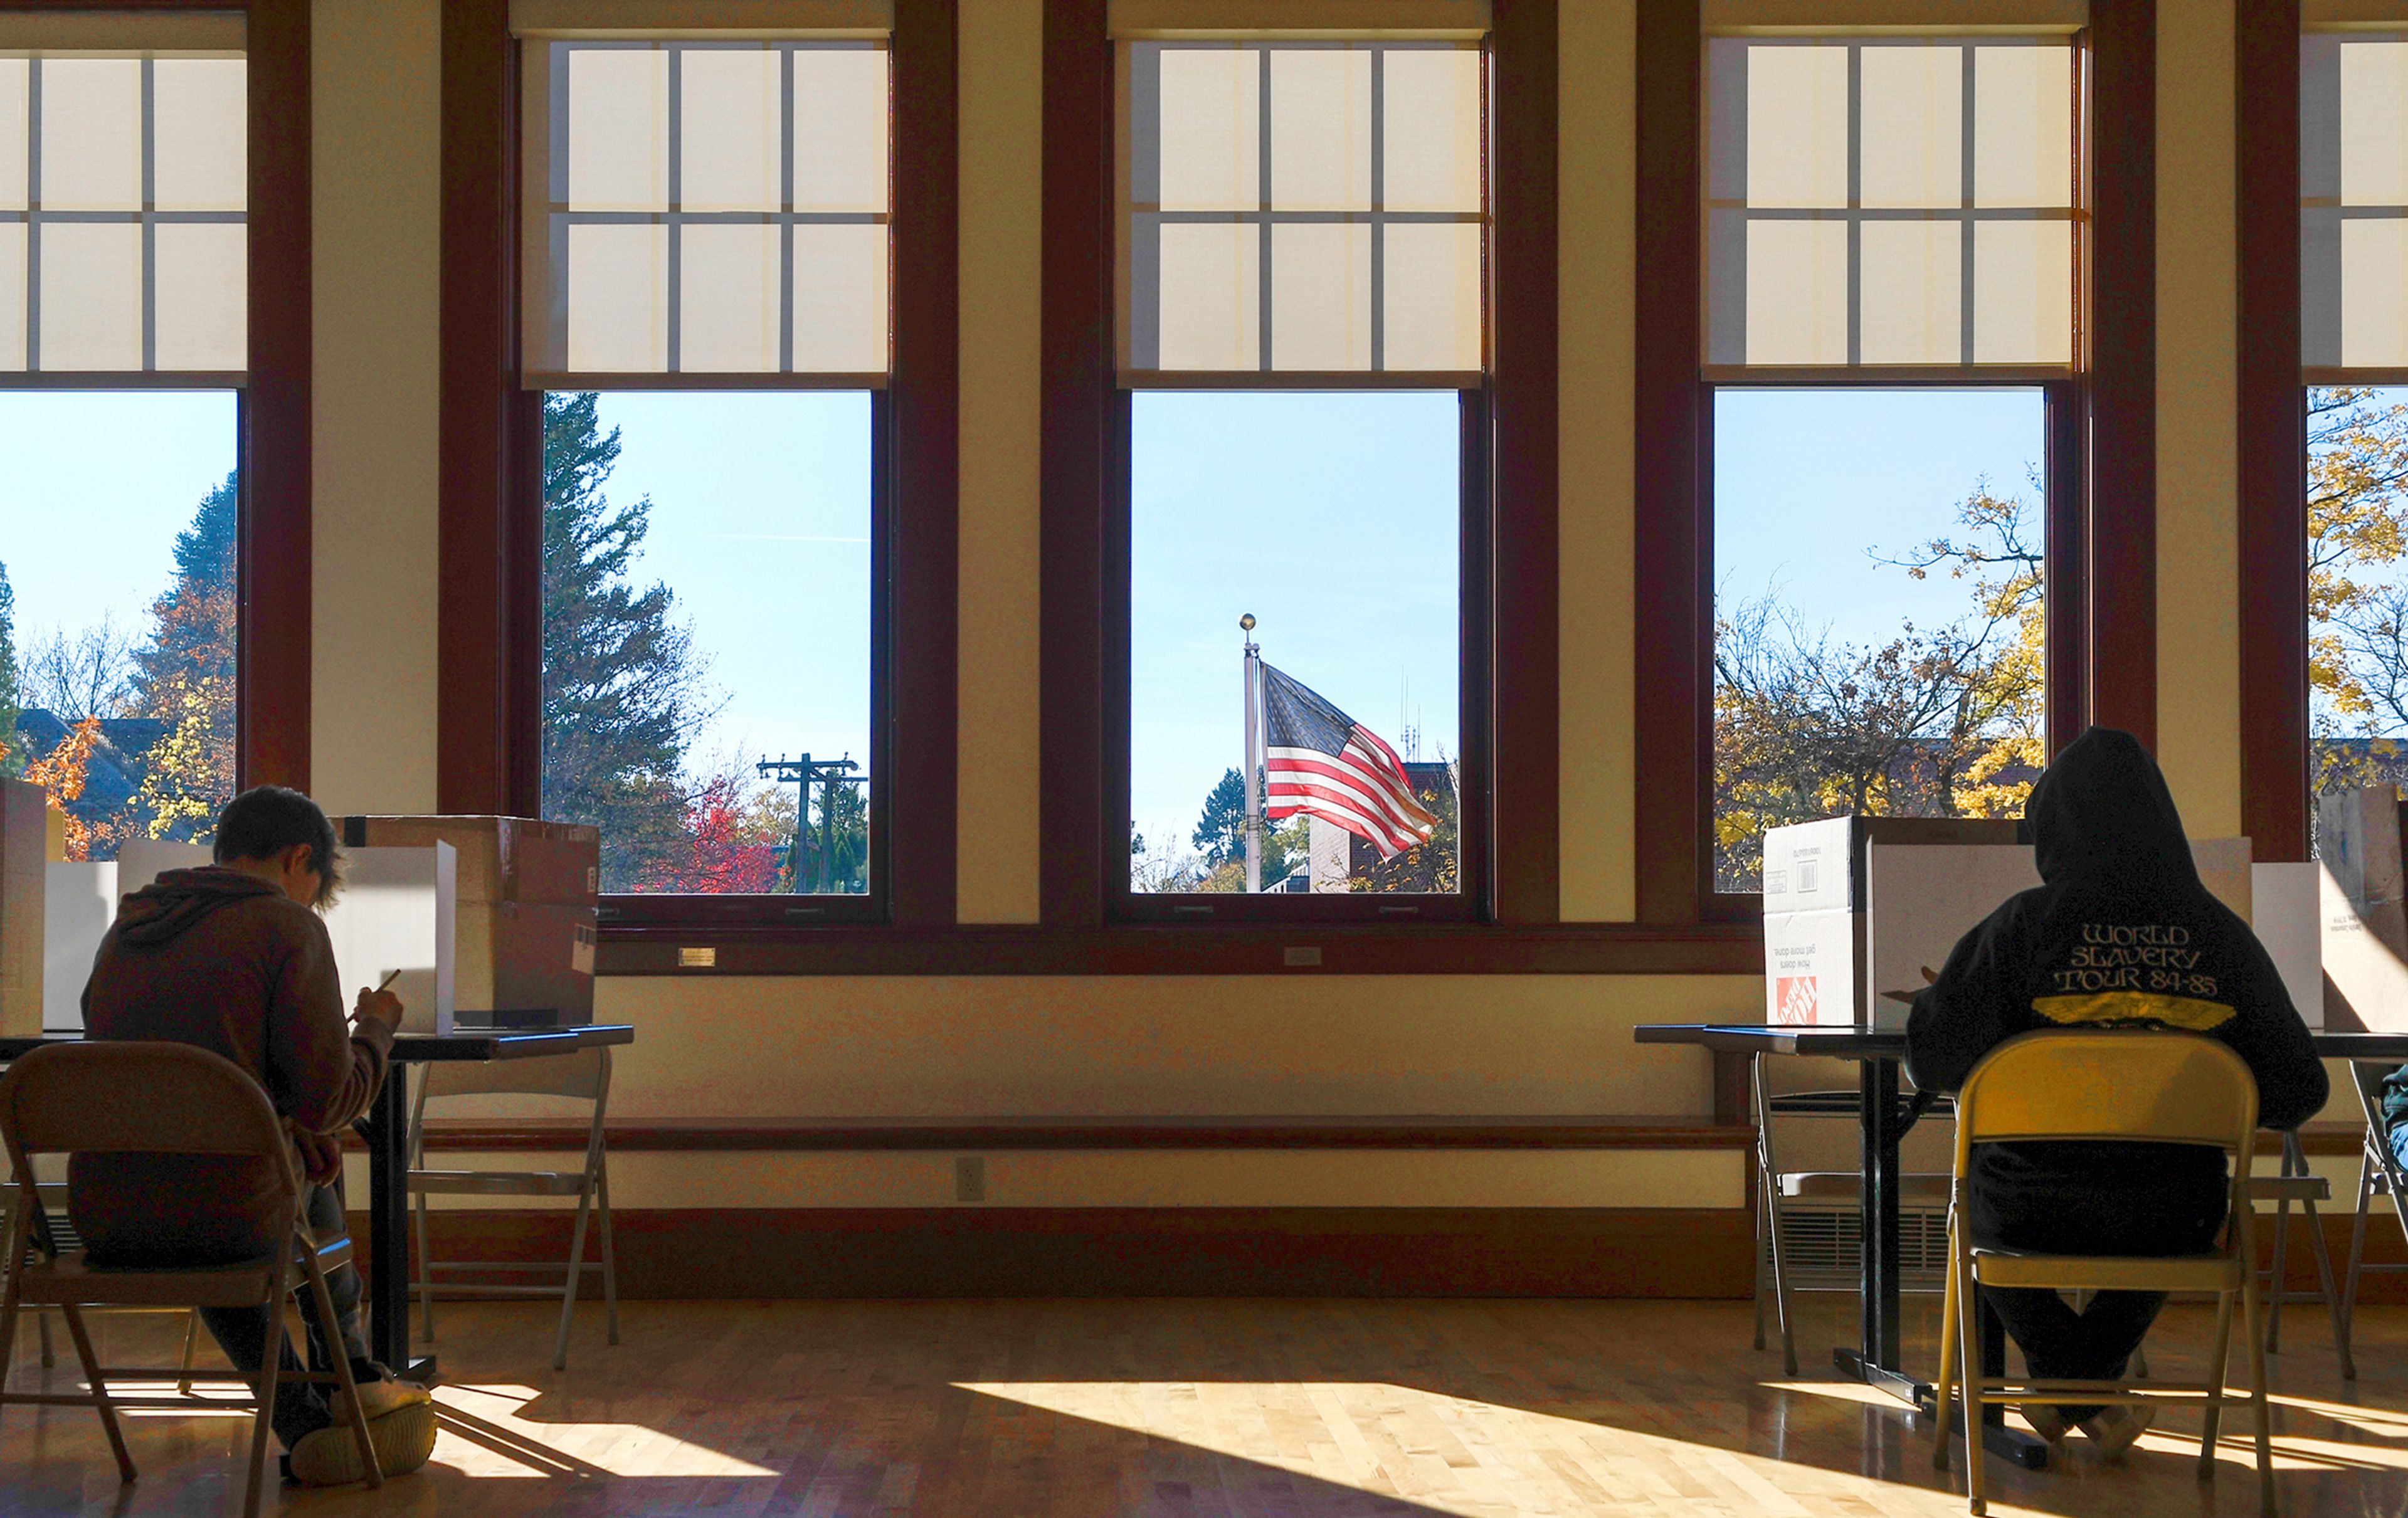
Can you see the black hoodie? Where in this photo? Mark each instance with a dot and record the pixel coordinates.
(2120, 934)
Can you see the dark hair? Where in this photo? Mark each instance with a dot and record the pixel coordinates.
(266, 820)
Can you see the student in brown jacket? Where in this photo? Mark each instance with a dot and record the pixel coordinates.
(234, 959)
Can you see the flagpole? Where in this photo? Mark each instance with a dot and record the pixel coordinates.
(1253, 763)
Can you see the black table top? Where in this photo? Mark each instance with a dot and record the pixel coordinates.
(426, 1048)
(1890, 1043)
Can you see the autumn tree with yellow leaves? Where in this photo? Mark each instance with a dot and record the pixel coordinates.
(1938, 721)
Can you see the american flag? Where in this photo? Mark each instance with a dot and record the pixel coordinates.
(1319, 760)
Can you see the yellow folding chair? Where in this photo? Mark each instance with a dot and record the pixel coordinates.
(2131, 1087)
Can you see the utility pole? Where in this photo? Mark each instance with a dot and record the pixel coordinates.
(1252, 762)
(803, 773)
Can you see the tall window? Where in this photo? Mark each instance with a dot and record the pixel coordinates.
(2353, 343)
(123, 345)
(1892, 227)
(1303, 333)
(707, 248)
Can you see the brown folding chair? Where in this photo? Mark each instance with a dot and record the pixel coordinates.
(161, 1099)
(582, 1077)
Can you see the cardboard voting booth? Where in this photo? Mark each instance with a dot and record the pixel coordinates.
(397, 911)
(1857, 908)
(528, 898)
(78, 903)
(397, 916)
(2285, 912)
(2363, 934)
(23, 827)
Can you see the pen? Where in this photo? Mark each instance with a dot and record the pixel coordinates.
(391, 976)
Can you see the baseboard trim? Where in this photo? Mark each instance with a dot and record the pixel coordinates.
(713, 1254)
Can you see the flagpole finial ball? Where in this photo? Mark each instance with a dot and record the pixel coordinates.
(1246, 623)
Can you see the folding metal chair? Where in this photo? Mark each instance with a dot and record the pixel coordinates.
(2296, 1183)
(584, 1076)
(159, 1098)
(51, 1195)
(1780, 1193)
(2097, 1086)
(2378, 1175)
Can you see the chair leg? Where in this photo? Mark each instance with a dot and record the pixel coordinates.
(100, 1401)
(2357, 1242)
(271, 1365)
(2219, 1356)
(568, 1287)
(425, 1277)
(7, 1328)
(2323, 1256)
(1943, 1395)
(192, 1346)
(2258, 1405)
(50, 1349)
(1768, 1175)
(609, 1257)
(321, 1302)
(1968, 1353)
(2280, 1276)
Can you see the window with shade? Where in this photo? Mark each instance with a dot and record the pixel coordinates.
(1892, 311)
(2354, 348)
(706, 313)
(1303, 350)
(123, 338)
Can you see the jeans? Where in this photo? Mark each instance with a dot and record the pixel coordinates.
(2399, 1142)
(242, 1332)
(2058, 1343)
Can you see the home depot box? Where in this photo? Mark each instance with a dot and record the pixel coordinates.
(2363, 934)
(527, 898)
(23, 828)
(1857, 908)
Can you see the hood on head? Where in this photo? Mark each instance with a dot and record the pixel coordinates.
(2101, 809)
(170, 905)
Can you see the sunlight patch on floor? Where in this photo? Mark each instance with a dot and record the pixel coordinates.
(1377, 1436)
(481, 1433)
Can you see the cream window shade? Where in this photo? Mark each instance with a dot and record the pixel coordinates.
(2354, 204)
(1891, 202)
(1304, 209)
(123, 192)
(715, 210)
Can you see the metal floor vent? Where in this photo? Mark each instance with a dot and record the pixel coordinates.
(1824, 1251)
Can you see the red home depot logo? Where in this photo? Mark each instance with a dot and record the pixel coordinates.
(1794, 1000)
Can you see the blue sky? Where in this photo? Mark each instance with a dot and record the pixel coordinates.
(1332, 518)
(96, 488)
(760, 523)
(1806, 482)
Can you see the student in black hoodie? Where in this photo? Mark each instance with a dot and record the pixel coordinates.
(2119, 934)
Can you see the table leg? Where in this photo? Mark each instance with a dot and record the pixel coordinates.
(388, 1286)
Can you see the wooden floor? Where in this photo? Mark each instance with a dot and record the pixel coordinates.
(1294, 1408)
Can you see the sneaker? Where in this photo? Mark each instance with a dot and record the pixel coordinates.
(402, 1438)
(2115, 1429)
(2045, 1421)
(381, 1391)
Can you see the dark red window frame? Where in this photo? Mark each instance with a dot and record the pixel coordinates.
(2101, 466)
(488, 749)
(272, 560)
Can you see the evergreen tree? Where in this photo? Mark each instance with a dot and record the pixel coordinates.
(193, 626)
(12, 759)
(184, 677)
(1221, 833)
(622, 687)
